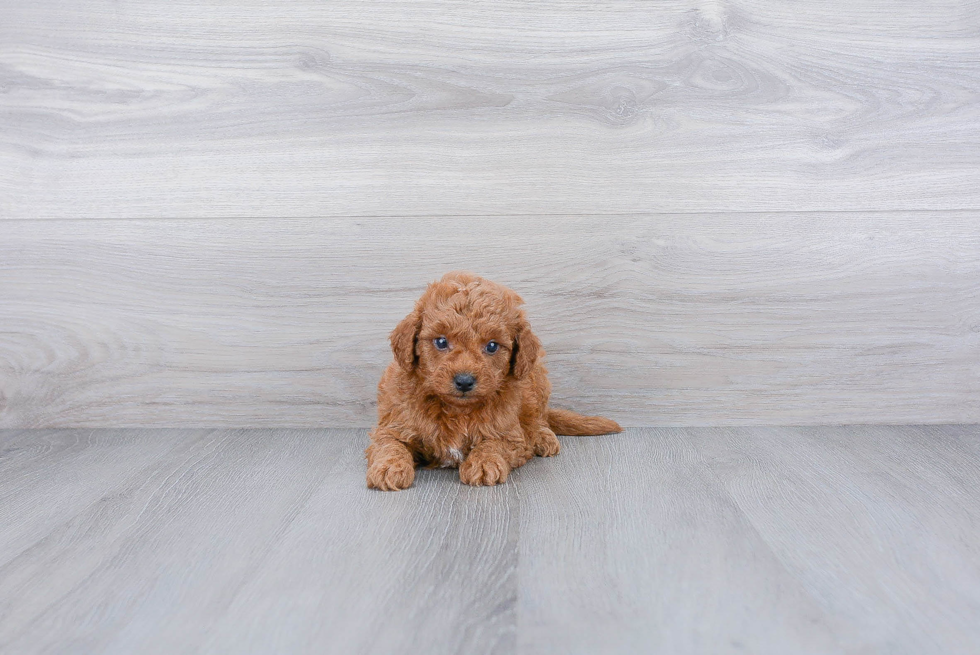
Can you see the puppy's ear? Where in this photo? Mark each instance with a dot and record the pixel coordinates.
(525, 352)
(404, 337)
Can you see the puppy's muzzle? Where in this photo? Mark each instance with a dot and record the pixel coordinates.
(464, 382)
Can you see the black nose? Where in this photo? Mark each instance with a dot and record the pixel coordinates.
(464, 382)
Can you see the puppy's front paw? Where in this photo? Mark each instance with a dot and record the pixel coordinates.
(547, 444)
(391, 475)
(483, 470)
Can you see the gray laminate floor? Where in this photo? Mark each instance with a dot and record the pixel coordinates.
(758, 540)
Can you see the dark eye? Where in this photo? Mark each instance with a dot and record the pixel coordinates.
(492, 347)
(441, 343)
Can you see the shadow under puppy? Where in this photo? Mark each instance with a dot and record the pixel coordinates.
(467, 388)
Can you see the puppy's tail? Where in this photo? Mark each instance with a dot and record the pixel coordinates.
(562, 421)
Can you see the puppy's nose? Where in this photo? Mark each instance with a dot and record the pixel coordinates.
(464, 382)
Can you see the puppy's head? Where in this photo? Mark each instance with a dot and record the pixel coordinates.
(465, 338)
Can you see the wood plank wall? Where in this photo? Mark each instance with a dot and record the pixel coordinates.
(745, 212)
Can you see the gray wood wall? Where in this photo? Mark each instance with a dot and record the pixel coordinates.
(718, 212)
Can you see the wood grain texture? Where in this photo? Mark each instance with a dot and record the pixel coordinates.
(629, 545)
(266, 541)
(179, 536)
(880, 524)
(656, 320)
(363, 571)
(720, 540)
(51, 476)
(303, 108)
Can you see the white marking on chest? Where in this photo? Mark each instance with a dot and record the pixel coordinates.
(452, 457)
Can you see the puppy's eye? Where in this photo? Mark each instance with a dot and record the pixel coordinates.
(441, 343)
(492, 347)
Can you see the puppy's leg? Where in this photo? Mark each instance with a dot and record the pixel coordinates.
(390, 464)
(534, 412)
(491, 460)
(545, 442)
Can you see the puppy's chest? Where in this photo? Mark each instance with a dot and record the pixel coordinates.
(449, 444)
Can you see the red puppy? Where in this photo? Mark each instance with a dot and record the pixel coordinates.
(467, 389)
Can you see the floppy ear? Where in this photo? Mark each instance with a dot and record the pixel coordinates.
(525, 352)
(404, 337)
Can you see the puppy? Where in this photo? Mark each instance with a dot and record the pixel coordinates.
(466, 389)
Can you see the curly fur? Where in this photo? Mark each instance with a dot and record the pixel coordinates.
(425, 420)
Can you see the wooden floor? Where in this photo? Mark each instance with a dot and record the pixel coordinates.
(710, 540)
